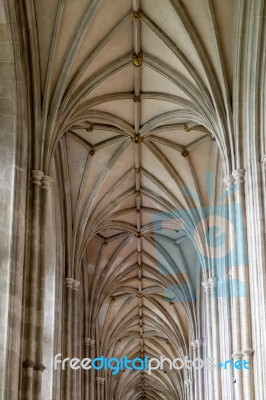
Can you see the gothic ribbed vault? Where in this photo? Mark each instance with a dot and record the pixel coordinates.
(136, 117)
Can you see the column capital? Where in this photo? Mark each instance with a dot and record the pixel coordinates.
(86, 341)
(89, 342)
(229, 181)
(196, 343)
(206, 284)
(46, 182)
(39, 367)
(69, 282)
(188, 382)
(102, 381)
(239, 175)
(36, 177)
(75, 285)
(98, 379)
(28, 364)
(237, 355)
(213, 282)
(247, 352)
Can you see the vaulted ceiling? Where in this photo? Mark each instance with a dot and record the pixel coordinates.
(136, 102)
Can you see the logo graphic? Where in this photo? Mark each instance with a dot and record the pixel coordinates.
(216, 242)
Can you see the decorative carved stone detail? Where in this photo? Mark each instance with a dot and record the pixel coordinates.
(39, 367)
(186, 128)
(237, 355)
(247, 352)
(75, 285)
(185, 153)
(69, 282)
(239, 175)
(46, 182)
(86, 341)
(102, 381)
(137, 139)
(136, 14)
(28, 364)
(229, 181)
(206, 284)
(92, 152)
(137, 193)
(213, 282)
(36, 177)
(188, 382)
(137, 99)
(137, 60)
(197, 343)
(138, 235)
(98, 379)
(137, 170)
(90, 129)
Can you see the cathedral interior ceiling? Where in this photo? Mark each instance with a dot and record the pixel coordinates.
(136, 104)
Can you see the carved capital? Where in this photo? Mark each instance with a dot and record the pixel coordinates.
(46, 182)
(213, 282)
(237, 355)
(86, 341)
(229, 182)
(247, 352)
(75, 285)
(39, 367)
(98, 379)
(28, 364)
(69, 282)
(36, 177)
(239, 175)
(206, 285)
(197, 343)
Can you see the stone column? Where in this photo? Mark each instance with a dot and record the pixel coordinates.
(215, 335)
(243, 275)
(32, 289)
(102, 388)
(92, 372)
(74, 335)
(39, 367)
(98, 387)
(68, 332)
(196, 376)
(86, 374)
(197, 345)
(234, 284)
(189, 388)
(207, 287)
